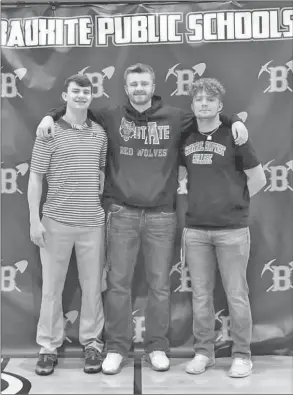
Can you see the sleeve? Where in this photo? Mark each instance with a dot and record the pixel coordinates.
(104, 153)
(41, 155)
(57, 113)
(246, 157)
(186, 121)
(226, 121)
(188, 124)
(181, 157)
(95, 115)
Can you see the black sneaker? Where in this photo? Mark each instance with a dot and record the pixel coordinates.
(46, 364)
(92, 360)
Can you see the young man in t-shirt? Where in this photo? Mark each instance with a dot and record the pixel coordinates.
(73, 163)
(140, 195)
(222, 177)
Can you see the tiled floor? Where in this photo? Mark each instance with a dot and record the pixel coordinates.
(271, 374)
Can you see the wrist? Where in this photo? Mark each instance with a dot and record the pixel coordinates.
(35, 220)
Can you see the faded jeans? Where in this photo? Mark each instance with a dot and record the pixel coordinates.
(127, 230)
(229, 248)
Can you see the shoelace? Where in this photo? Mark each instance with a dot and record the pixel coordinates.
(48, 357)
(91, 353)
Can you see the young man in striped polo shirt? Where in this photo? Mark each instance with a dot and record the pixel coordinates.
(73, 163)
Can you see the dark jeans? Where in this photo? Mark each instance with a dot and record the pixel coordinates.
(228, 248)
(127, 229)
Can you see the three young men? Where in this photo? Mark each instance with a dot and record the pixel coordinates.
(140, 191)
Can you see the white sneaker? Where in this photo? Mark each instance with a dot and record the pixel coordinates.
(199, 364)
(159, 360)
(112, 364)
(241, 367)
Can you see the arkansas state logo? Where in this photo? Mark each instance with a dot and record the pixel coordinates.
(127, 129)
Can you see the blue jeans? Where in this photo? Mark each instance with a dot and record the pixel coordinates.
(127, 230)
(229, 248)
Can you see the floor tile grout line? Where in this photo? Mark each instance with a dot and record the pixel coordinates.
(137, 376)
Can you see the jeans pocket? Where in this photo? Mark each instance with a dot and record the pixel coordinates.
(115, 208)
(170, 213)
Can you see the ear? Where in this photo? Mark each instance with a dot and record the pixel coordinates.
(220, 106)
(64, 96)
(154, 87)
(192, 106)
(125, 88)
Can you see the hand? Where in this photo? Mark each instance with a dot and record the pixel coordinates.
(37, 233)
(45, 129)
(240, 133)
(182, 181)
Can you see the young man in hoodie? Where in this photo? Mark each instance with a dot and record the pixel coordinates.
(139, 196)
(222, 177)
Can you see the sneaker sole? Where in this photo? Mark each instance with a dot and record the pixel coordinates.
(239, 376)
(209, 365)
(44, 373)
(92, 370)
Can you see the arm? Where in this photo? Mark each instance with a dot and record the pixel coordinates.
(239, 130)
(45, 128)
(102, 180)
(57, 113)
(103, 159)
(40, 162)
(246, 160)
(34, 194)
(256, 179)
(182, 171)
(227, 121)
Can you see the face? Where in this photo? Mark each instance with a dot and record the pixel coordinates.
(139, 88)
(78, 97)
(205, 105)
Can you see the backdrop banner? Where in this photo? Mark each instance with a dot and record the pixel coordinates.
(247, 46)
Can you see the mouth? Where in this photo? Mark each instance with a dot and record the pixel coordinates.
(80, 101)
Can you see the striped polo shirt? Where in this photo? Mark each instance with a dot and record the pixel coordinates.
(72, 161)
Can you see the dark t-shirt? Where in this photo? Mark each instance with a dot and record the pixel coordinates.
(218, 195)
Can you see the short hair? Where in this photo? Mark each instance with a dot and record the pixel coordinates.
(139, 68)
(210, 85)
(79, 79)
